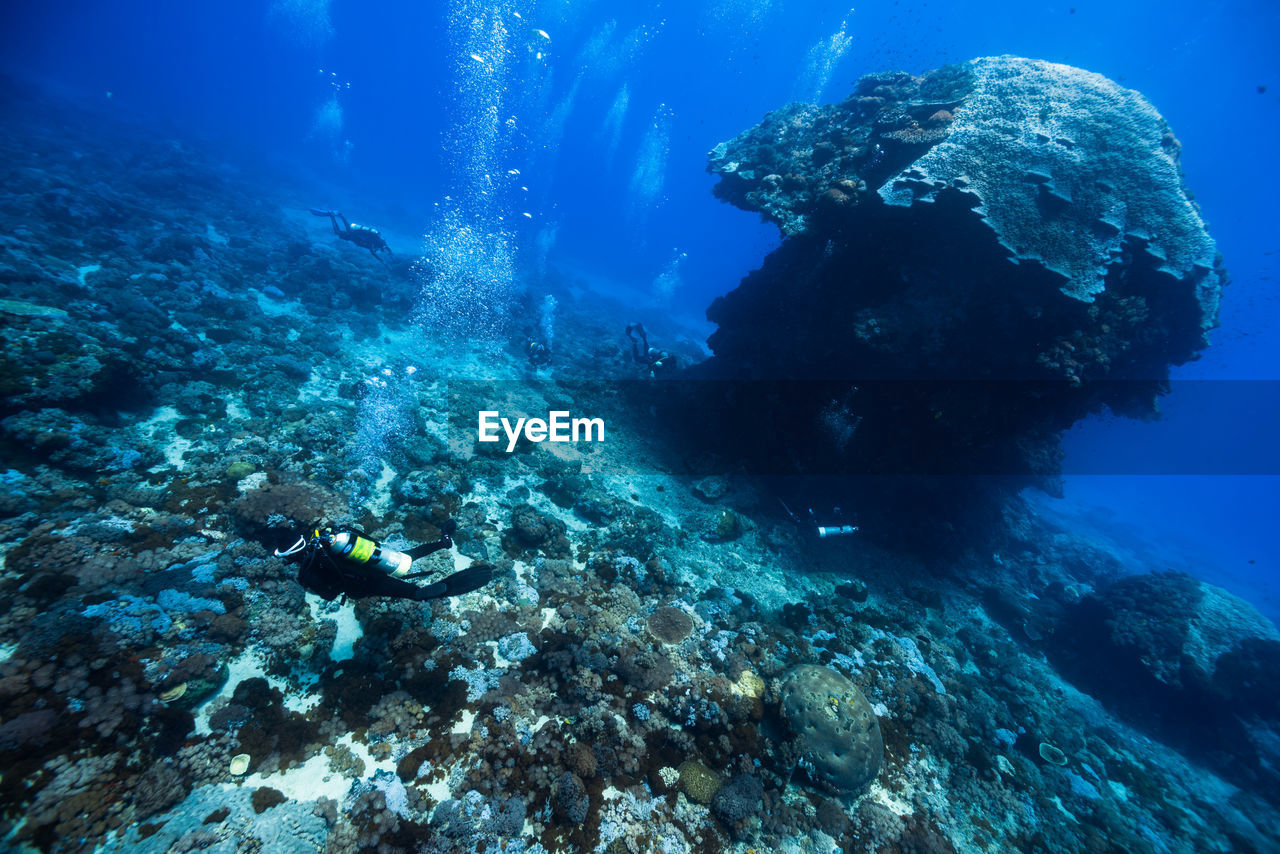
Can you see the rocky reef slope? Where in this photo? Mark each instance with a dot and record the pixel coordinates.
(974, 259)
(661, 663)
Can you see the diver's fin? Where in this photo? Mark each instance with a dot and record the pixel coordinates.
(322, 213)
(427, 548)
(471, 578)
(447, 528)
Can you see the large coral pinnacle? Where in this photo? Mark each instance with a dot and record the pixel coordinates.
(1064, 165)
(974, 260)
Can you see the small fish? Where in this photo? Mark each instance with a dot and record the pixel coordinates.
(513, 171)
(478, 58)
(527, 214)
(544, 34)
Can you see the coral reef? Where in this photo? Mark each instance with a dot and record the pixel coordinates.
(651, 667)
(974, 260)
(1183, 657)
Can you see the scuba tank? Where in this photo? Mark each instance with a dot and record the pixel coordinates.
(836, 530)
(352, 547)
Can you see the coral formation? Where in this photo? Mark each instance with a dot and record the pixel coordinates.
(697, 781)
(980, 257)
(1176, 649)
(669, 625)
(839, 735)
(652, 667)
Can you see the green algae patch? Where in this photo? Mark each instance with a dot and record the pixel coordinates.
(240, 470)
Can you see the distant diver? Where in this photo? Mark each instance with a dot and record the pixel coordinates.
(539, 354)
(659, 362)
(360, 235)
(351, 563)
(823, 531)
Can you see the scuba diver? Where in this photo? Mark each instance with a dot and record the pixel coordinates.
(823, 531)
(350, 563)
(539, 354)
(659, 362)
(360, 235)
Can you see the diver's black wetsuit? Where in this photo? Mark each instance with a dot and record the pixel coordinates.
(659, 362)
(330, 576)
(537, 352)
(360, 235)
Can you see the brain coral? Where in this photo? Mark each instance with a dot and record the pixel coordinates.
(838, 733)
